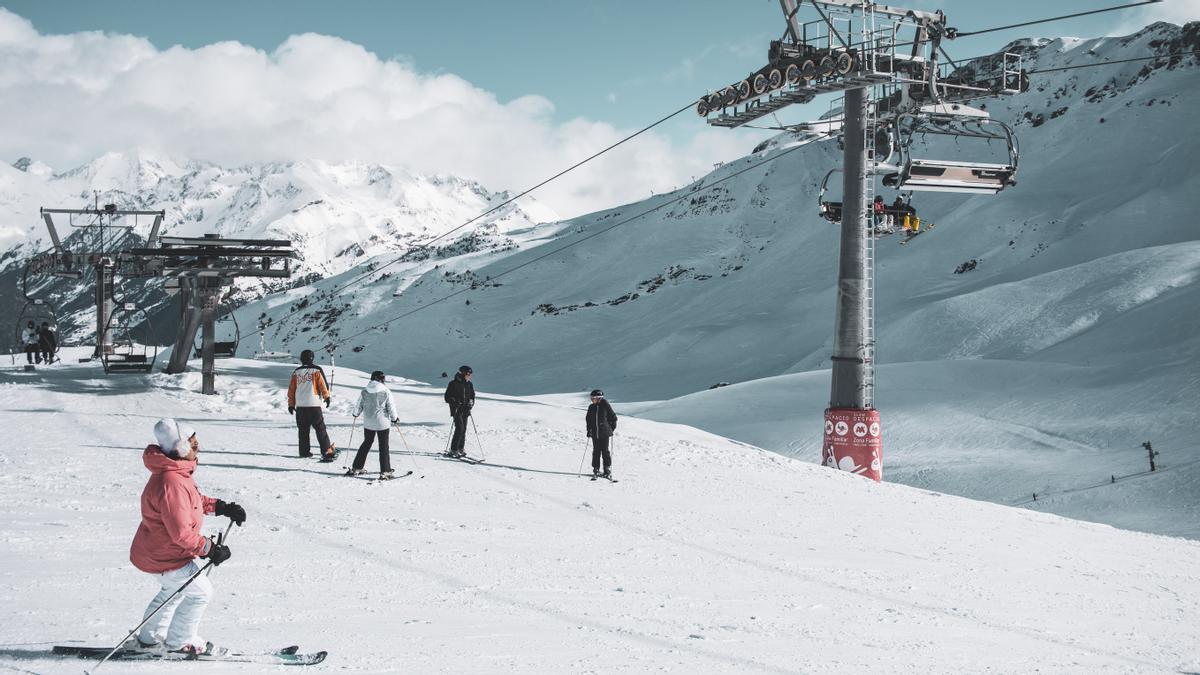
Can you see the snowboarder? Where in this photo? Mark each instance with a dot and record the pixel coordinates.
(460, 395)
(306, 391)
(47, 342)
(168, 541)
(601, 423)
(29, 340)
(379, 413)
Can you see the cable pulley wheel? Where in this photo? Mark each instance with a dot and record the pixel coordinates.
(845, 63)
(808, 70)
(792, 74)
(774, 79)
(760, 84)
(743, 90)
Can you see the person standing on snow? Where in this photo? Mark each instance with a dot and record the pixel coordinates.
(601, 422)
(379, 413)
(460, 395)
(29, 340)
(168, 541)
(306, 391)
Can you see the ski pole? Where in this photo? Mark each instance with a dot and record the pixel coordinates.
(221, 538)
(411, 454)
(482, 457)
(164, 603)
(350, 443)
(584, 458)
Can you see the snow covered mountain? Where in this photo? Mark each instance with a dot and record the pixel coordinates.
(335, 214)
(735, 282)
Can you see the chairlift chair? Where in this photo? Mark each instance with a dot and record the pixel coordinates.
(128, 354)
(222, 349)
(38, 311)
(830, 210)
(939, 175)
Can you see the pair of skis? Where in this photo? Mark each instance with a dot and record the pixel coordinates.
(288, 656)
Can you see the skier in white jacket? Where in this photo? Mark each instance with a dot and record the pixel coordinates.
(379, 413)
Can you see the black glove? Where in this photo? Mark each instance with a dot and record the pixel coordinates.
(218, 553)
(291, 410)
(327, 402)
(232, 511)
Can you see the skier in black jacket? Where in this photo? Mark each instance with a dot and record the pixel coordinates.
(601, 423)
(48, 342)
(460, 395)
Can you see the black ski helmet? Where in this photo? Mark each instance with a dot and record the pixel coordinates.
(307, 356)
(465, 370)
(377, 376)
(598, 392)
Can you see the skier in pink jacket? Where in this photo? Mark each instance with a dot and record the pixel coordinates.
(168, 540)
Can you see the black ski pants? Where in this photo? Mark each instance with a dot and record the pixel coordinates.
(385, 461)
(32, 350)
(308, 419)
(600, 452)
(458, 442)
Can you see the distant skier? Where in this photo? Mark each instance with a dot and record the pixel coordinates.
(379, 413)
(460, 395)
(168, 541)
(601, 422)
(47, 342)
(29, 340)
(306, 391)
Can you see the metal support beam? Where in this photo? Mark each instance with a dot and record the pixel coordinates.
(208, 337)
(850, 377)
(105, 273)
(189, 323)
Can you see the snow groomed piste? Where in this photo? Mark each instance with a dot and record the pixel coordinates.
(708, 556)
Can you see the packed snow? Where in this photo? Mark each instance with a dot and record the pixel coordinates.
(708, 555)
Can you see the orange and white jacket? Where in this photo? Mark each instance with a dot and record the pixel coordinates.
(307, 388)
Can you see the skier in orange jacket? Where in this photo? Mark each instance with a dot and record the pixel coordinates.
(306, 391)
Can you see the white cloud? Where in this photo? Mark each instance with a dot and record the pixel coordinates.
(65, 99)
(1173, 11)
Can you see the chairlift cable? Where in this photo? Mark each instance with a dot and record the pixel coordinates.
(676, 200)
(955, 35)
(1106, 63)
(339, 289)
(523, 193)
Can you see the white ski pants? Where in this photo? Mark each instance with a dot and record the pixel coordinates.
(179, 620)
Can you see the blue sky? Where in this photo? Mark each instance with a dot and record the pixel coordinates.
(505, 93)
(621, 61)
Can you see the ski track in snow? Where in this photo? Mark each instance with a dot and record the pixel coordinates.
(709, 556)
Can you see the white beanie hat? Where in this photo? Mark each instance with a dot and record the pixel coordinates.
(172, 437)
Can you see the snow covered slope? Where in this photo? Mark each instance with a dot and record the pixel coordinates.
(708, 555)
(1071, 340)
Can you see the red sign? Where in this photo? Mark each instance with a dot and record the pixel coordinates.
(853, 442)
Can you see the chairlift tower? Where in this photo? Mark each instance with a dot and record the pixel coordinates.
(885, 60)
(106, 243)
(196, 268)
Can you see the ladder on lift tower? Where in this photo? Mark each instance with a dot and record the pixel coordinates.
(867, 349)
